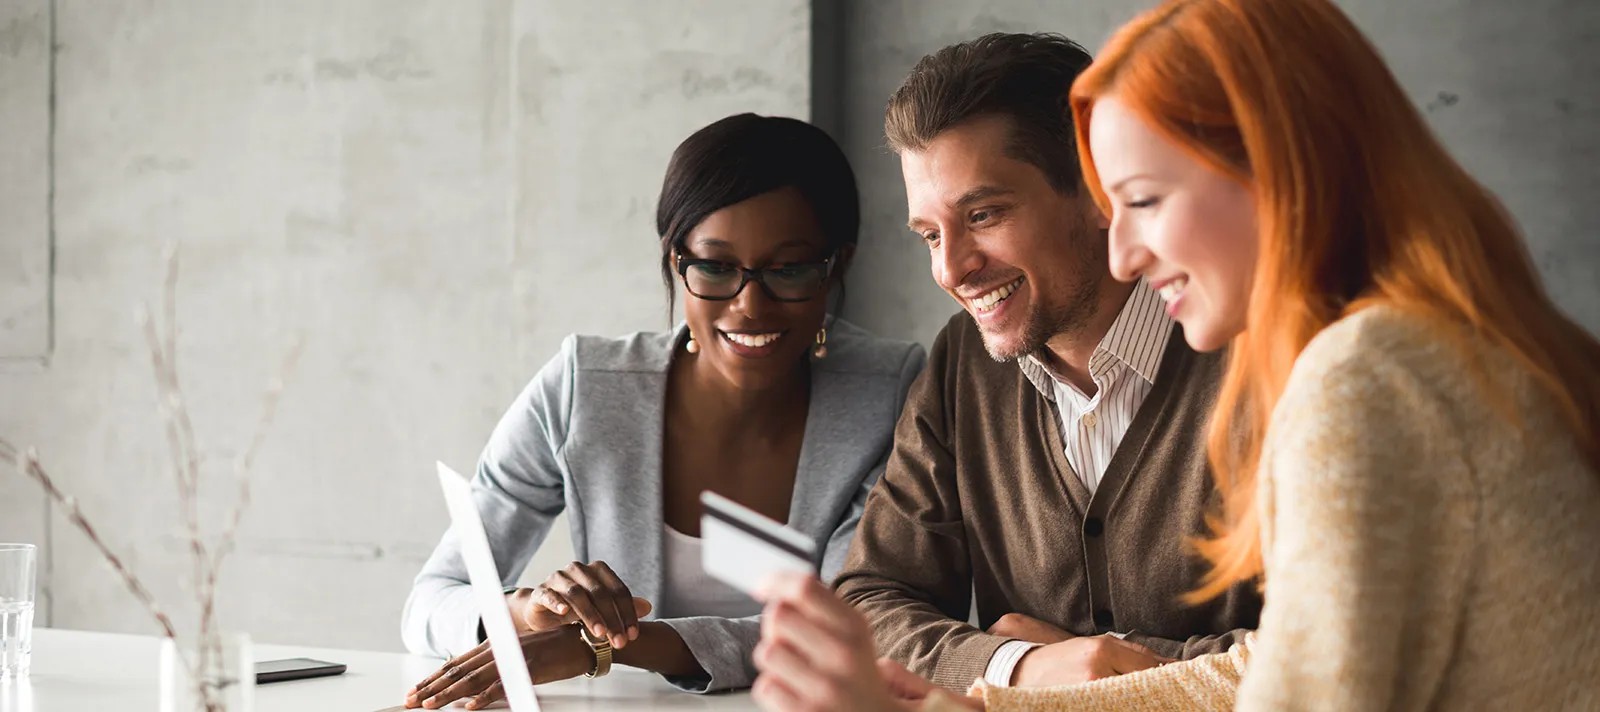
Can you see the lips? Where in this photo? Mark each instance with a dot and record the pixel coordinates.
(1171, 290)
(988, 301)
(754, 341)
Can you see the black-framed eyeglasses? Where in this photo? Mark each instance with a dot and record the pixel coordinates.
(717, 280)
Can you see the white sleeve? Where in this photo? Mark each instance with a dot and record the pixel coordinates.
(1004, 662)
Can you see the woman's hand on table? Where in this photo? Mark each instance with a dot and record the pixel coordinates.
(555, 654)
(555, 651)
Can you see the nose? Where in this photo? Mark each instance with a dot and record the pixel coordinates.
(955, 257)
(1129, 256)
(751, 300)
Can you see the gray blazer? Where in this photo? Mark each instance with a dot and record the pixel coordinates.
(585, 437)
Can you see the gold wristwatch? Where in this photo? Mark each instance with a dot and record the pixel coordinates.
(601, 648)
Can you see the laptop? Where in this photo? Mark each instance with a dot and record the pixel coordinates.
(487, 592)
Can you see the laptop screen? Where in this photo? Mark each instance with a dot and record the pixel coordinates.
(487, 591)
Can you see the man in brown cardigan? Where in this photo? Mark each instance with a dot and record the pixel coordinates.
(1049, 468)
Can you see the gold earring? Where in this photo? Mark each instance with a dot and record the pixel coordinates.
(691, 347)
(821, 349)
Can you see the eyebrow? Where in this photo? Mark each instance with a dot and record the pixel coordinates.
(982, 192)
(978, 194)
(717, 242)
(1118, 184)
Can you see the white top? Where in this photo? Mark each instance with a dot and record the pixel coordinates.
(1124, 367)
(76, 671)
(686, 590)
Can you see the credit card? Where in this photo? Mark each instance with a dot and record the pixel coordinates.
(741, 548)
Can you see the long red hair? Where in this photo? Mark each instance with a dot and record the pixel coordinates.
(1358, 204)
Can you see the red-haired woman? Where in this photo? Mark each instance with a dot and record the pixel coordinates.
(1408, 439)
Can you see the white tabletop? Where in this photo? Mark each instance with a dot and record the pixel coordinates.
(103, 672)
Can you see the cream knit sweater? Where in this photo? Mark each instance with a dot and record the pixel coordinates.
(1422, 551)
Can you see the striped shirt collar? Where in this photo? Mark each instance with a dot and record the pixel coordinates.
(1137, 339)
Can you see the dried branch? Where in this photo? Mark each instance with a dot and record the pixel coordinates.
(242, 468)
(186, 466)
(28, 464)
(185, 461)
(191, 448)
(182, 443)
(169, 299)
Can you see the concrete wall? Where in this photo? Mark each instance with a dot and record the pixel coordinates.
(24, 179)
(24, 233)
(431, 193)
(1510, 87)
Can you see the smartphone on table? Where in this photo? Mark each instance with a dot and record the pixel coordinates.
(269, 671)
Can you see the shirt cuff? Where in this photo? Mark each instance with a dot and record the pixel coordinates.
(1121, 636)
(1004, 662)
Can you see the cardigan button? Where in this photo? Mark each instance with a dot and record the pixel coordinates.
(1103, 618)
(1093, 526)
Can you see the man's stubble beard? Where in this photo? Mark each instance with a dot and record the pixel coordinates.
(1048, 320)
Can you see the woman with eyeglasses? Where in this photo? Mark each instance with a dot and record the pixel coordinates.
(759, 395)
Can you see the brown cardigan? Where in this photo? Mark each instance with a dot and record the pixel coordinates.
(978, 498)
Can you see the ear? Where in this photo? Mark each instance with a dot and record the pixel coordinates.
(842, 260)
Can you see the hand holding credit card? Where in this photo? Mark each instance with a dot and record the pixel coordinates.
(742, 548)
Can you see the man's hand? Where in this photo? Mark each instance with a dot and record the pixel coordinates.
(1032, 630)
(1082, 659)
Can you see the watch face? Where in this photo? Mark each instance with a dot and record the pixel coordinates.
(601, 648)
(590, 638)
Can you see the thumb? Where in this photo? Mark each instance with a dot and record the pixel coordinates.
(1141, 649)
(1129, 659)
(903, 684)
(641, 607)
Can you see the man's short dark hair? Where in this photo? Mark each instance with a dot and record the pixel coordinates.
(1024, 77)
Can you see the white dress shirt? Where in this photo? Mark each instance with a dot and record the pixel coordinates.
(1123, 367)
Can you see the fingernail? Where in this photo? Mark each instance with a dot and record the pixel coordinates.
(618, 641)
(561, 608)
(633, 633)
(600, 632)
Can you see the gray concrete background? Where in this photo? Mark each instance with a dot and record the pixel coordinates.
(431, 194)
(24, 236)
(24, 179)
